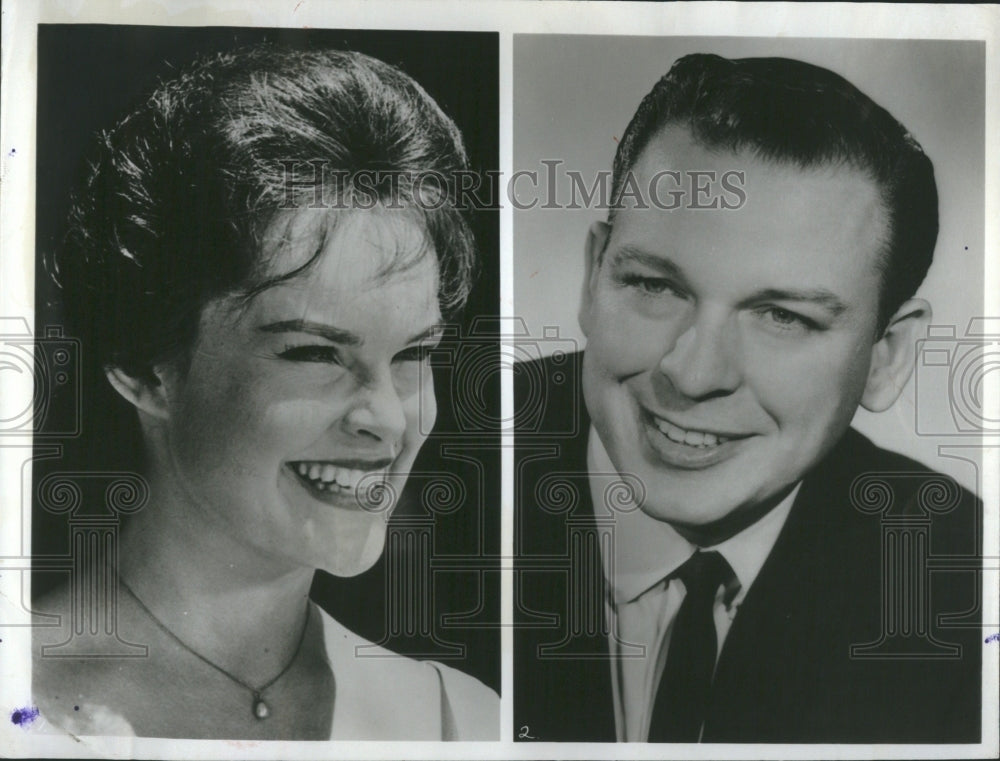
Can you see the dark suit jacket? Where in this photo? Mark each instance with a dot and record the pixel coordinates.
(791, 669)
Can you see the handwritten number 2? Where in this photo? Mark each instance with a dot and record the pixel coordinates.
(525, 734)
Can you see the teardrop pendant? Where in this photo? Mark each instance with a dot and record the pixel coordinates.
(261, 710)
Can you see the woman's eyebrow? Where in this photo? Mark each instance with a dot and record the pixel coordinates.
(330, 333)
(432, 332)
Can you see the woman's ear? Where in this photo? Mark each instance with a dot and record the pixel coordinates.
(894, 354)
(146, 392)
(597, 240)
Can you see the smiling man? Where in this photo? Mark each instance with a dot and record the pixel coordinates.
(735, 592)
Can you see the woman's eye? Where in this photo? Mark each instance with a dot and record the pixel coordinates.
(311, 353)
(415, 353)
(653, 286)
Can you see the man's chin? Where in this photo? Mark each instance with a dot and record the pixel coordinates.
(708, 521)
(684, 517)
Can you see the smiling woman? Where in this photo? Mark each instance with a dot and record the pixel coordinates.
(331, 366)
(275, 352)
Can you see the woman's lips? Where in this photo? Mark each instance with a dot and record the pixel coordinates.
(357, 484)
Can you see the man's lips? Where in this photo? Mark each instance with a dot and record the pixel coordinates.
(689, 448)
(693, 435)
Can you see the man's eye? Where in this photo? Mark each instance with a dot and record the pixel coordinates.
(311, 353)
(653, 286)
(785, 319)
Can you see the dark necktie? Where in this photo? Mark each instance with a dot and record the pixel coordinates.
(682, 696)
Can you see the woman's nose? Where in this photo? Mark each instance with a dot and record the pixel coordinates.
(378, 411)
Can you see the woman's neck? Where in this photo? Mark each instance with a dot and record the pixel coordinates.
(238, 609)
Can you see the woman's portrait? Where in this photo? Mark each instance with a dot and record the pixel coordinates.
(258, 262)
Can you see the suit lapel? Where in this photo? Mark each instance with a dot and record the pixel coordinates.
(776, 638)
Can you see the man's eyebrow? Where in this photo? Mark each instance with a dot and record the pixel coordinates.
(330, 333)
(819, 296)
(628, 253)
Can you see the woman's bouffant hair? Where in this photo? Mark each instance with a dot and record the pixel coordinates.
(181, 191)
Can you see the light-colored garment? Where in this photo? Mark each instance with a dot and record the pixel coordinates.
(642, 604)
(379, 696)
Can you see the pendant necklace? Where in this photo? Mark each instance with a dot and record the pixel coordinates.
(261, 710)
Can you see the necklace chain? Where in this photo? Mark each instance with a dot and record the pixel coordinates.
(260, 709)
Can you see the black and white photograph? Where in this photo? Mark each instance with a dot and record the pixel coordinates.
(499, 379)
(723, 251)
(253, 274)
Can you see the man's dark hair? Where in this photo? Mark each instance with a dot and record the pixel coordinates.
(181, 191)
(784, 110)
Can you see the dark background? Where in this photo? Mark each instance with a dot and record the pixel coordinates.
(91, 75)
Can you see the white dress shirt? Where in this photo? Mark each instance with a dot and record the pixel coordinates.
(642, 604)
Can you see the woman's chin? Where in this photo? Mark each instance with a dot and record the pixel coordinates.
(355, 554)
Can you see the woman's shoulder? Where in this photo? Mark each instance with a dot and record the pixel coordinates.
(470, 709)
(70, 687)
(382, 695)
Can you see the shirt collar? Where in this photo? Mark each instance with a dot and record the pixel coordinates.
(647, 550)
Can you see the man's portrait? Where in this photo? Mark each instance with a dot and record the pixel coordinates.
(733, 520)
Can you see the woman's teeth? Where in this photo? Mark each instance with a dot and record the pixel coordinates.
(325, 476)
(690, 438)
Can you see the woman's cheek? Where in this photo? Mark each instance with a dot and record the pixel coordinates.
(421, 410)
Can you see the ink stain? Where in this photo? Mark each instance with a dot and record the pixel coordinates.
(76, 708)
(22, 717)
(993, 638)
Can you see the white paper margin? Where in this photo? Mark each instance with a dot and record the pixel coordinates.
(17, 192)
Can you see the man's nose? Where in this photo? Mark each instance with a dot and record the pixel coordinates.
(702, 361)
(377, 410)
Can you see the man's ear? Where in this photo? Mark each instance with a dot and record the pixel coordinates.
(597, 239)
(147, 393)
(894, 354)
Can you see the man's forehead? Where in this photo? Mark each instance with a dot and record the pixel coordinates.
(676, 148)
(814, 230)
(775, 196)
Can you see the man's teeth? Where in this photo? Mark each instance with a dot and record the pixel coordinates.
(327, 476)
(691, 438)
